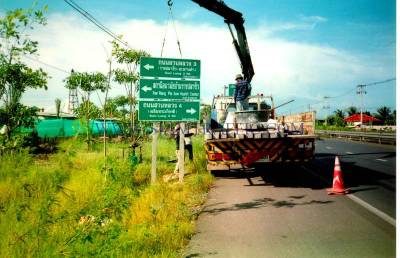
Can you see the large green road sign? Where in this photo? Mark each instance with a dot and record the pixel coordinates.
(169, 110)
(169, 68)
(169, 89)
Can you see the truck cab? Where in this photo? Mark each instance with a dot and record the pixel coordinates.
(224, 107)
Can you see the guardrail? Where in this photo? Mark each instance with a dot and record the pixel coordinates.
(380, 137)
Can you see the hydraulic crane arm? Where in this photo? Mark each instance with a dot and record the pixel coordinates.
(234, 18)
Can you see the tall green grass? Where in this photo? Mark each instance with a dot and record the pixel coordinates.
(66, 204)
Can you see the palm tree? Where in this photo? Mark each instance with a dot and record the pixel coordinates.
(352, 110)
(339, 116)
(339, 113)
(384, 114)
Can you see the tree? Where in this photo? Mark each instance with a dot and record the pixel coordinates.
(58, 106)
(393, 118)
(205, 112)
(367, 113)
(15, 76)
(339, 116)
(89, 83)
(331, 120)
(117, 107)
(128, 76)
(385, 115)
(88, 110)
(352, 111)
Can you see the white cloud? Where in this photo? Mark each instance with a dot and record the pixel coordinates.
(283, 68)
(189, 13)
(304, 23)
(313, 19)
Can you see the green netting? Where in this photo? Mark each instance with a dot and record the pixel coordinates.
(112, 128)
(58, 128)
(67, 128)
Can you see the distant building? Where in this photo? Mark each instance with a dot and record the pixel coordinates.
(356, 119)
(48, 115)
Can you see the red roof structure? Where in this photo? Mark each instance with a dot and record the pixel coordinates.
(357, 118)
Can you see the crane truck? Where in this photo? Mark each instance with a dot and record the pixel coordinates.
(257, 136)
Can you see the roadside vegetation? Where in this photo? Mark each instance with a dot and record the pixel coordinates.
(336, 121)
(65, 204)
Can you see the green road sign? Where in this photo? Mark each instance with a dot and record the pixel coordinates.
(169, 110)
(231, 89)
(170, 68)
(169, 89)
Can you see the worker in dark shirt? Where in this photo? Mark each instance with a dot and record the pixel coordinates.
(242, 93)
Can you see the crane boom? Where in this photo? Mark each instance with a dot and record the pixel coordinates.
(234, 18)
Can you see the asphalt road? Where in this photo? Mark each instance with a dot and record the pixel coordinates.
(286, 212)
(369, 170)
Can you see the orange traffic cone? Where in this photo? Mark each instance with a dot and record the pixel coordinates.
(337, 185)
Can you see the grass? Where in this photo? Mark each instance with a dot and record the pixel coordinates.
(65, 204)
(333, 128)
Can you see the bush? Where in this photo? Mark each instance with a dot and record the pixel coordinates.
(66, 204)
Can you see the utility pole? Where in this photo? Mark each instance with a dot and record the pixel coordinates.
(361, 91)
(225, 88)
(105, 114)
(327, 107)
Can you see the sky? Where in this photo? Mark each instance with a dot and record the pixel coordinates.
(301, 49)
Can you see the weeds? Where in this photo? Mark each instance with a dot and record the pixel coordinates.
(66, 205)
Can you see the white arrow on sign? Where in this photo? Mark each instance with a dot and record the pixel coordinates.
(191, 111)
(145, 88)
(148, 67)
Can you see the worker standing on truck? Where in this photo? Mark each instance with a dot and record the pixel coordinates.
(242, 93)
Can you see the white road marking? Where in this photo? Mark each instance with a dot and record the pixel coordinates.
(349, 152)
(352, 197)
(329, 148)
(336, 178)
(384, 160)
(372, 209)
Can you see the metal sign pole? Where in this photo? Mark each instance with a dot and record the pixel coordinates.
(181, 159)
(154, 154)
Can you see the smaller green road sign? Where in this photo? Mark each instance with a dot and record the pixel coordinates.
(169, 68)
(169, 89)
(169, 110)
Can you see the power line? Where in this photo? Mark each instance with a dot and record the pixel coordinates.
(368, 84)
(380, 82)
(46, 64)
(343, 94)
(96, 22)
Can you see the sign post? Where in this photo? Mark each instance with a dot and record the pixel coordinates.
(154, 154)
(169, 91)
(181, 158)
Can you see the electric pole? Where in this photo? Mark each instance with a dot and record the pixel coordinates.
(225, 88)
(327, 107)
(361, 91)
